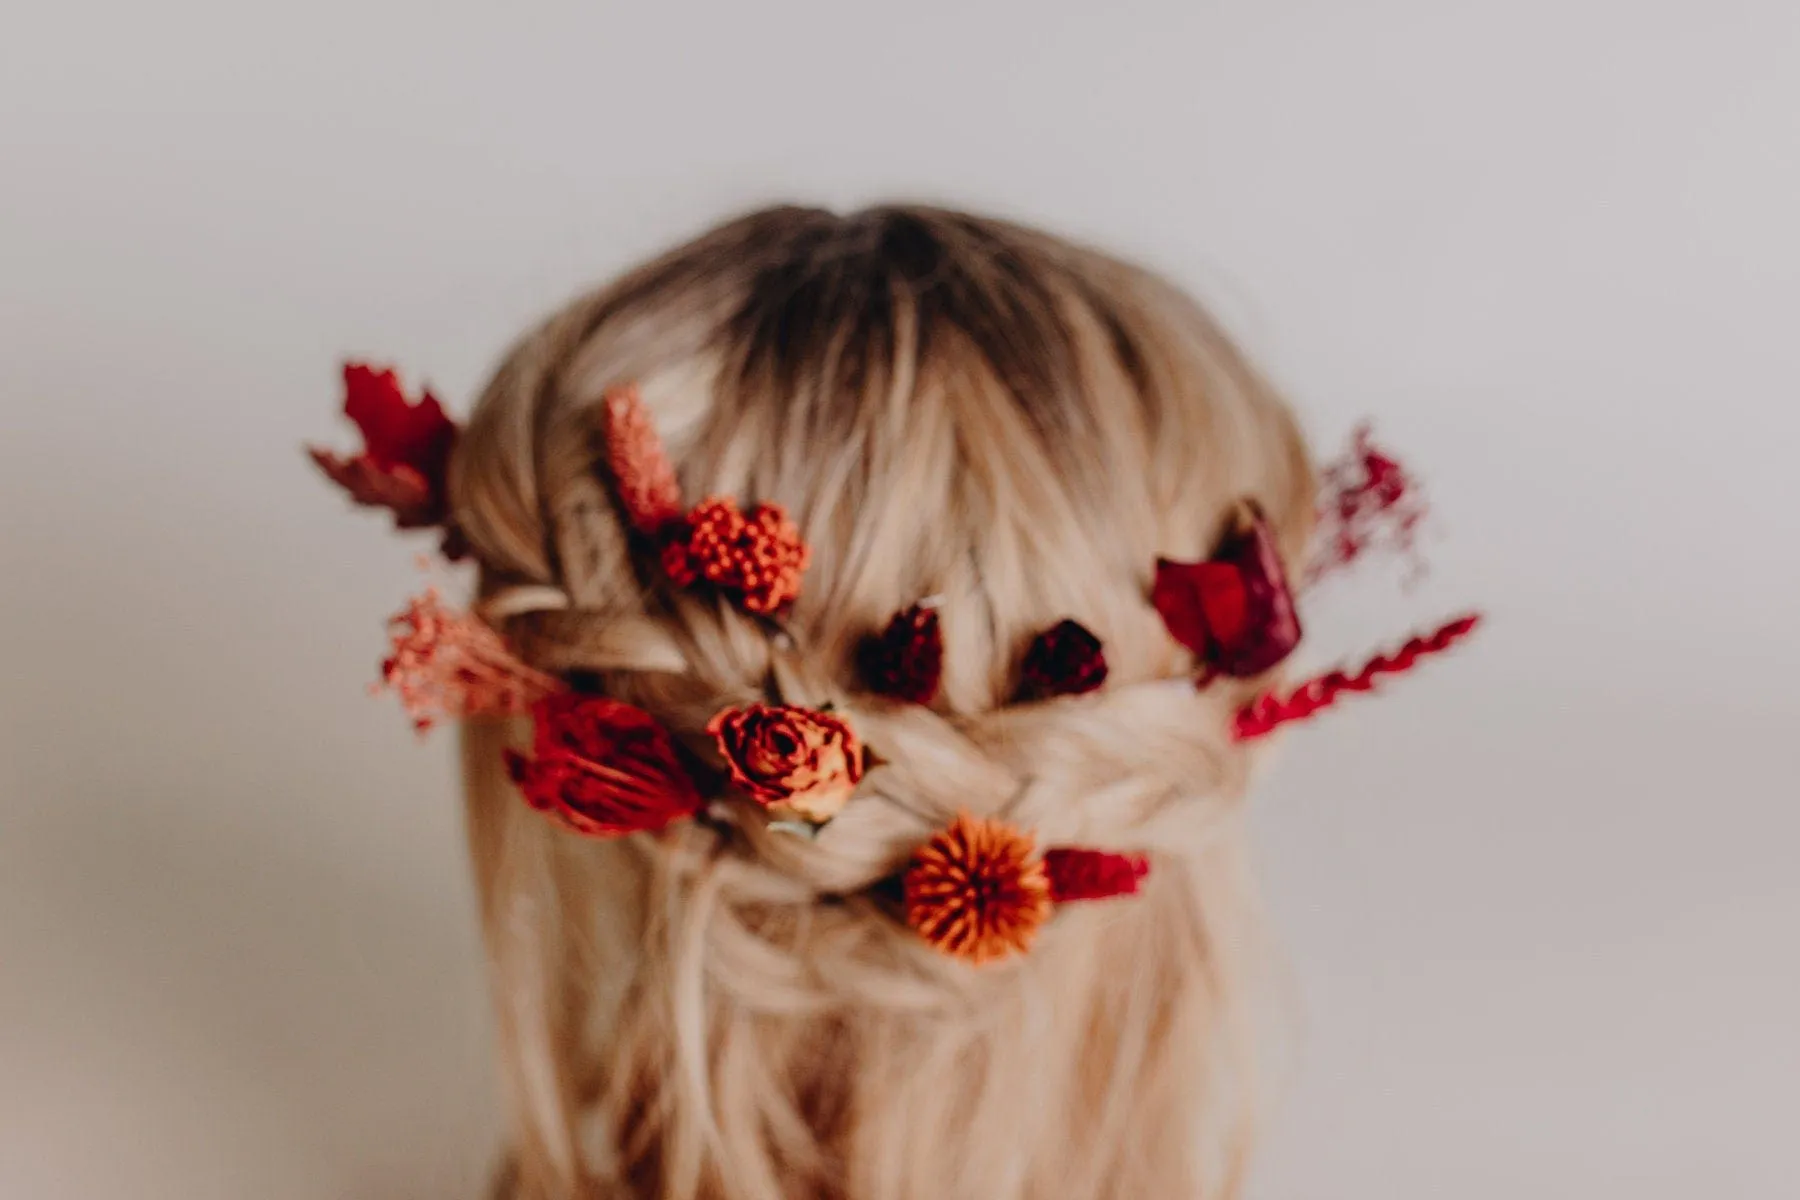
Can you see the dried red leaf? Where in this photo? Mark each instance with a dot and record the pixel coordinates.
(405, 460)
(906, 660)
(1078, 874)
(1234, 611)
(603, 768)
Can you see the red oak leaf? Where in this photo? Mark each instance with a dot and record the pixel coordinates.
(405, 460)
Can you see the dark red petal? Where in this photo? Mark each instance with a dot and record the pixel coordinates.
(1234, 611)
(1078, 874)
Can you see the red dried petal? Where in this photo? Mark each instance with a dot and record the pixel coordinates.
(1078, 874)
(906, 660)
(1234, 611)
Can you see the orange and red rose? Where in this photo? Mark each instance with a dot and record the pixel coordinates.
(795, 762)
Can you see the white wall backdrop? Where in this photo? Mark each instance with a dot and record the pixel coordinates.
(1541, 905)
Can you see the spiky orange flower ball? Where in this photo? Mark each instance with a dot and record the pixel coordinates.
(977, 890)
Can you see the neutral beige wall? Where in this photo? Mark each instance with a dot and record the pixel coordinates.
(1541, 904)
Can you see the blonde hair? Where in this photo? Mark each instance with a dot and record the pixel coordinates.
(948, 406)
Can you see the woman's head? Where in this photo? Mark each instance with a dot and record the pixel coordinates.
(948, 407)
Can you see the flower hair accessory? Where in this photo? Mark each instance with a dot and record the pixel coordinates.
(448, 664)
(1064, 660)
(1269, 712)
(754, 557)
(405, 460)
(1234, 610)
(906, 660)
(602, 768)
(979, 891)
(1368, 501)
(798, 763)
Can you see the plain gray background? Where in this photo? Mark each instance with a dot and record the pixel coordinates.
(1540, 905)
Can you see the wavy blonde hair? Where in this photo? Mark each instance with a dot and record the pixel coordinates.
(948, 406)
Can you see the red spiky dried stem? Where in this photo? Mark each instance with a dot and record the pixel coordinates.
(1272, 710)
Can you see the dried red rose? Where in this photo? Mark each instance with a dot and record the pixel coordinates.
(1078, 874)
(603, 768)
(405, 459)
(796, 762)
(1234, 611)
(1065, 660)
(756, 557)
(906, 660)
(976, 890)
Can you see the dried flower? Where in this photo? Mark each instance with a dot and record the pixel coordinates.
(1367, 500)
(405, 459)
(1233, 611)
(756, 557)
(1064, 660)
(906, 660)
(640, 467)
(602, 768)
(1270, 711)
(449, 664)
(795, 762)
(1078, 874)
(976, 891)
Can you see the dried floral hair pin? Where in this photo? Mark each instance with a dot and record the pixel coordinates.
(754, 557)
(979, 889)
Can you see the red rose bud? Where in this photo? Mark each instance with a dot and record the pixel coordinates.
(797, 763)
(1065, 660)
(906, 660)
(405, 461)
(603, 768)
(1234, 611)
(1077, 874)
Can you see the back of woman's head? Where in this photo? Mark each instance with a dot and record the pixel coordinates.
(948, 407)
